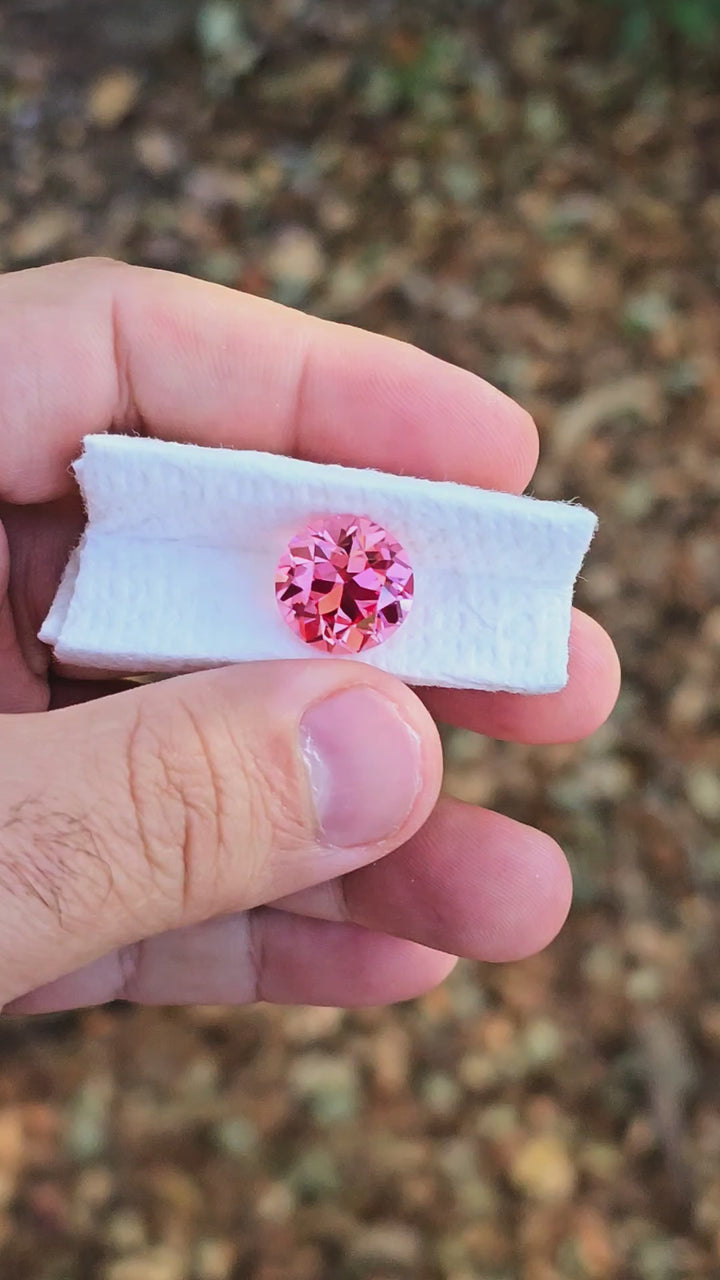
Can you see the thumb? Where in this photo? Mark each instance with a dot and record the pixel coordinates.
(210, 793)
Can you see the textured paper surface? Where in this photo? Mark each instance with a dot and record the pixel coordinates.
(176, 567)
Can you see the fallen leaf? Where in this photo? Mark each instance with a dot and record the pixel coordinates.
(636, 394)
(112, 97)
(543, 1169)
(42, 232)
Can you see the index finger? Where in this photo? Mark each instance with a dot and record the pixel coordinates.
(95, 345)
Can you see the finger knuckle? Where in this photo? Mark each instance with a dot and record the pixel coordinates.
(173, 801)
(276, 816)
(207, 809)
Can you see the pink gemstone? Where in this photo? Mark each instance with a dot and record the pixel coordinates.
(344, 584)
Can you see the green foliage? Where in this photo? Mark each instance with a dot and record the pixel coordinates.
(696, 22)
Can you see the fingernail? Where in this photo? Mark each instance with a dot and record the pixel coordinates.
(364, 763)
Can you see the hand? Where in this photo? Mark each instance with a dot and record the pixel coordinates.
(258, 832)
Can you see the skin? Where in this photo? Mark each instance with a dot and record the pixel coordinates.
(161, 844)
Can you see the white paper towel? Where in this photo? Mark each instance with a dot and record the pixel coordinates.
(176, 568)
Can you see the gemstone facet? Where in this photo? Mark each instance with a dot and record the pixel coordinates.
(344, 584)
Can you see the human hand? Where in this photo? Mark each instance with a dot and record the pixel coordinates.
(168, 843)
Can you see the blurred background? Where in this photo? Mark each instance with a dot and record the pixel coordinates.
(531, 190)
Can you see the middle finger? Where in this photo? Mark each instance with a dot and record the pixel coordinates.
(471, 882)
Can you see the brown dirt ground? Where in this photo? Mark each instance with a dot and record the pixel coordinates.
(500, 186)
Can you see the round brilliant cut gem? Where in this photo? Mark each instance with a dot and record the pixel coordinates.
(344, 584)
